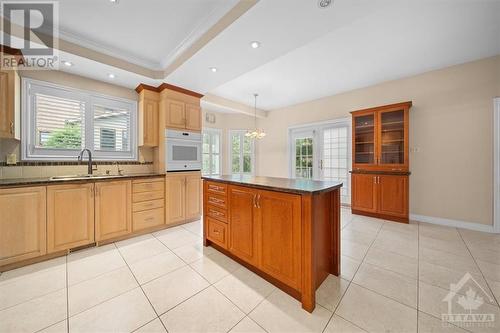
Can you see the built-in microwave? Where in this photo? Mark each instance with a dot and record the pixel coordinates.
(182, 150)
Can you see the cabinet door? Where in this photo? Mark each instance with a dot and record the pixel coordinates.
(113, 209)
(364, 192)
(243, 232)
(150, 123)
(193, 197)
(176, 198)
(176, 114)
(22, 224)
(280, 236)
(6, 104)
(364, 140)
(193, 117)
(393, 195)
(393, 139)
(70, 216)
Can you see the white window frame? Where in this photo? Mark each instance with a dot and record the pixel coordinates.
(28, 150)
(219, 133)
(230, 153)
(496, 159)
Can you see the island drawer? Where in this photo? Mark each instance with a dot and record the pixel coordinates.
(148, 218)
(146, 196)
(145, 205)
(217, 200)
(217, 232)
(217, 213)
(217, 188)
(149, 186)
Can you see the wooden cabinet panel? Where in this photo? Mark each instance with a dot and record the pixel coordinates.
(148, 121)
(176, 114)
(364, 192)
(217, 200)
(9, 104)
(217, 232)
(113, 209)
(243, 230)
(23, 228)
(148, 196)
(217, 188)
(393, 195)
(145, 205)
(148, 218)
(217, 213)
(193, 117)
(193, 196)
(148, 186)
(70, 216)
(176, 198)
(280, 223)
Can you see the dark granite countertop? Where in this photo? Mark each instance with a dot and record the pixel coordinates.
(299, 186)
(5, 182)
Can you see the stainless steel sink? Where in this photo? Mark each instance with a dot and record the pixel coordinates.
(81, 177)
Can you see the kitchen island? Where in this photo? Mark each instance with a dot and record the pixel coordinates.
(285, 230)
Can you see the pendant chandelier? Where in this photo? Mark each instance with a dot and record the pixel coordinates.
(255, 133)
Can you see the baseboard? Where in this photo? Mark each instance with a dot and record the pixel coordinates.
(453, 223)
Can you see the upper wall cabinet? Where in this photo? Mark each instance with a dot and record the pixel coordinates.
(380, 138)
(182, 115)
(148, 118)
(10, 104)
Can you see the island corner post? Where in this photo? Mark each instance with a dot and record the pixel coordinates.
(286, 231)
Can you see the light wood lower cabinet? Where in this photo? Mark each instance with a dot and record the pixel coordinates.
(22, 224)
(183, 196)
(148, 206)
(70, 216)
(380, 195)
(10, 104)
(113, 208)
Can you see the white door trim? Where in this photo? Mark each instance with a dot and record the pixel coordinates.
(496, 163)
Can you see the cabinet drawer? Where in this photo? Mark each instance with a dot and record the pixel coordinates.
(217, 188)
(217, 232)
(145, 205)
(217, 200)
(148, 218)
(146, 196)
(148, 187)
(217, 213)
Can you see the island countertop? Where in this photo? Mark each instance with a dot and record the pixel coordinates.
(300, 186)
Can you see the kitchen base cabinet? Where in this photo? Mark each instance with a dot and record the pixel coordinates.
(291, 239)
(380, 195)
(148, 197)
(183, 197)
(113, 208)
(22, 224)
(70, 216)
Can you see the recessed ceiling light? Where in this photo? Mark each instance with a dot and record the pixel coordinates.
(113, 1)
(324, 3)
(213, 69)
(68, 63)
(111, 75)
(255, 44)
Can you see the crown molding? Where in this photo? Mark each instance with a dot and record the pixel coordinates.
(164, 86)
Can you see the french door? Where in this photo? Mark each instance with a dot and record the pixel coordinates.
(322, 153)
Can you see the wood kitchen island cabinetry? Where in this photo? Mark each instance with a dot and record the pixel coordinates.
(286, 230)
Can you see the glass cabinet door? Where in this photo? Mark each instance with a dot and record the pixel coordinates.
(364, 139)
(392, 138)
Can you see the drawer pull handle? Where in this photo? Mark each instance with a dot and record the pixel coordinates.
(216, 232)
(216, 213)
(215, 188)
(212, 199)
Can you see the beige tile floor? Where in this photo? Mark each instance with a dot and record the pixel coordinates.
(394, 278)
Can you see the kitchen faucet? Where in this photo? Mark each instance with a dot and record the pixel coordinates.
(89, 162)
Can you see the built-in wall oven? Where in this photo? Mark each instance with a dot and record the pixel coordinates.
(182, 150)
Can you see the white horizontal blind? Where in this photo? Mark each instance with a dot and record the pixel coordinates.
(59, 122)
(111, 129)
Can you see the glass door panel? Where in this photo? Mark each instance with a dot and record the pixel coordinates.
(392, 137)
(364, 141)
(335, 158)
(304, 158)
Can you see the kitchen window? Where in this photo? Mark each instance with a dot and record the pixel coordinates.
(211, 152)
(241, 149)
(61, 121)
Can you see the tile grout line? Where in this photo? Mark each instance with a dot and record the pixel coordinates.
(350, 281)
(480, 270)
(140, 286)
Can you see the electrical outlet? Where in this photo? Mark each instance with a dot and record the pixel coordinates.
(11, 159)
